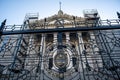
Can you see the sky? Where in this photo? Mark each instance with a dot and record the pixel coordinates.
(15, 10)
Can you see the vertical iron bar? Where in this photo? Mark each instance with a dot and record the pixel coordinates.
(59, 38)
(60, 47)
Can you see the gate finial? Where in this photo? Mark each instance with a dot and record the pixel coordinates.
(60, 5)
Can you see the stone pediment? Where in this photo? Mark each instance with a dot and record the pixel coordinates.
(50, 21)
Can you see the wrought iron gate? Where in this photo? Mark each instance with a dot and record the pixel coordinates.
(76, 53)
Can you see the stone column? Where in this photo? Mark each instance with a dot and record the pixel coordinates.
(67, 38)
(95, 51)
(42, 45)
(81, 43)
(55, 39)
(80, 48)
(92, 38)
(70, 53)
(42, 51)
(29, 52)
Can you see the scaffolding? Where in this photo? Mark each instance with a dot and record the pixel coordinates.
(94, 47)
